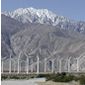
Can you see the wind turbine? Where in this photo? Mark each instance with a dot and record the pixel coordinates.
(27, 64)
(10, 65)
(18, 70)
(2, 65)
(78, 63)
(53, 66)
(14, 65)
(60, 65)
(37, 64)
(45, 64)
(69, 67)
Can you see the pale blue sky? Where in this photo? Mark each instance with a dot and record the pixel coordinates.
(73, 9)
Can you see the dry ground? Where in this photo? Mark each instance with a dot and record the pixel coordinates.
(54, 83)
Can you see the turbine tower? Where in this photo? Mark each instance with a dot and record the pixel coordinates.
(18, 70)
(69, 64)
(32, 68)
(27, 65)
(60, 65)
(37, 64)
(10, 65)
(14, 66)
(45, 64)
(2, 66)
(53, 65)
(78, 63)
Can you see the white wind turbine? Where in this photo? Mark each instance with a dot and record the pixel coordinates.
(69, 63)
(14, 65)
(53, 65)
(37, 64)
(45, 63)
(60, 65)
(19, 67)
(2, 64)
(10, 64)
(27, 64)
(78, 63)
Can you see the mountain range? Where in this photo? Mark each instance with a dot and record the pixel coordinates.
(41, 32)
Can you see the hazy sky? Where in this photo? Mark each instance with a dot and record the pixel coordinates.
(74, 9)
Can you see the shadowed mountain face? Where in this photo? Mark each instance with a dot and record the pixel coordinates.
(8, 28)
(41, 39)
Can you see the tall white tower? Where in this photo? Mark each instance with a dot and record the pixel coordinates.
(2, 66)
(37, 64)
(10, 64)
(69, 68)
(60, 65)
(19, 66)
(14, 66)
(27, 65)
(78, 64)
(53, 65)
(32, 68)
(45, 64)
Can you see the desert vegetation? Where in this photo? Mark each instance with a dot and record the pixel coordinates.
(64, 77)
(59, 77)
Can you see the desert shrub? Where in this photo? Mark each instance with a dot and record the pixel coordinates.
(14, 77)
(3, 77)
(43, 75)
(64, 78)
(82, 80)
(68, 78)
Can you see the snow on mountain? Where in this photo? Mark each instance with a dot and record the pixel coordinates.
(36, 15)
(44, 16)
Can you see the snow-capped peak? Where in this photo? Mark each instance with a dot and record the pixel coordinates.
(44, 16)
(33, 15)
